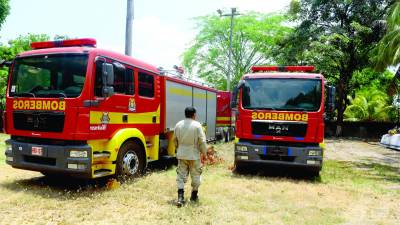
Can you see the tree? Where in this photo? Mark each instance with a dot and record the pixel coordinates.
(389, 46)
(369, 78)
(369, 104)
(254, 36)
(337, 36)
(4, 10)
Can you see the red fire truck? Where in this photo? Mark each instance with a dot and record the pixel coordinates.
(280, 117)
(225, 123)
(75, 109)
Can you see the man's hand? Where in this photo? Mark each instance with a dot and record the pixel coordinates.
(203, 158)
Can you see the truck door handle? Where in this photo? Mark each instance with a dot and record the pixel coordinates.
(125, 118)
(154, 119)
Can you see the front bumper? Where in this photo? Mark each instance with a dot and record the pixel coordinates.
(306, 156)
(53, 158)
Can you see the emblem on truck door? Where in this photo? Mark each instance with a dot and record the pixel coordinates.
(132, 105)
(105, 118)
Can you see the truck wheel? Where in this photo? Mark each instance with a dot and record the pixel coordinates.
(314, 173)
(130, 160)
(238, 168)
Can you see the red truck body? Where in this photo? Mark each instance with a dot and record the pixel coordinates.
(60, 120)
(280, 119)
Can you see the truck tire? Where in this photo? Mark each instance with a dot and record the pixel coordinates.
(130, 160)
(314, 173)
(238, 168)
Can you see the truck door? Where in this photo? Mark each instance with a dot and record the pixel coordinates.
(108, 114)
(148, 101)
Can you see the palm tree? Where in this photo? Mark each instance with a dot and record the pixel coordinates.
(389, 46)
(369, 104)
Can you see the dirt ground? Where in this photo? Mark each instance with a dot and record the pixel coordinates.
(359, 184)
(361, 151)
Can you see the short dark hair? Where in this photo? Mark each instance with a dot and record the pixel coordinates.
(189, 112)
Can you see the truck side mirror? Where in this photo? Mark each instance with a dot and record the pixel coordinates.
(235, 93)
(108, 74)
(331, 99)
(108, 79)
(234, 97)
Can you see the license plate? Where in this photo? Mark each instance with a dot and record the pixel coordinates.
(278, 151)
(37, 151)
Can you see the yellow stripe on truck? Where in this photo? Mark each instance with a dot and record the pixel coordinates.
(97, 117)
(187, 93)
(223, 118)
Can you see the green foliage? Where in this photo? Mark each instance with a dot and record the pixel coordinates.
(254, 36)
(369, 104)
(336, 36)
(389, 47)
(4, 10)
(369, 77)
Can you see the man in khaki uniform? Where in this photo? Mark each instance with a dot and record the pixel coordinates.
(190, 141)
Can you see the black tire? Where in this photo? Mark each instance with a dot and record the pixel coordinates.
(130, 160)
(238, 168)
(314, 173)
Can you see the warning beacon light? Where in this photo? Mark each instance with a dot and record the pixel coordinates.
(282, 68)
(89, 42)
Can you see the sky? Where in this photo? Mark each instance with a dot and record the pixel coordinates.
(162, 29)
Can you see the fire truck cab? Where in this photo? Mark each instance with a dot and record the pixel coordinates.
(76, 109)
(280, 117)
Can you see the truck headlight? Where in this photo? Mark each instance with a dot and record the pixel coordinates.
(314, 153)
(8, 148)
(241, 148)
(78, 154)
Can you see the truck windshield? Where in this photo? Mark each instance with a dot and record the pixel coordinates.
(49, 76)
(282, 94)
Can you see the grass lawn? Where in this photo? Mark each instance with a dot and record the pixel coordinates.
(346, 192)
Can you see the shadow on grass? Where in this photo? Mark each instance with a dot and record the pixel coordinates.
(59, 187)
(64, 187)
(273, 171)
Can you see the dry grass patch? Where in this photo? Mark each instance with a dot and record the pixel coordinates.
(346, 192)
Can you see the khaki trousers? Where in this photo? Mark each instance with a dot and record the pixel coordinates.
(184, 168)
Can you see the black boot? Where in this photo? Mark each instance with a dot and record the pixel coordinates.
(194, 197)
(181, 198)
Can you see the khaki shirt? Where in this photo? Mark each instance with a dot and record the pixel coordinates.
(189, 139)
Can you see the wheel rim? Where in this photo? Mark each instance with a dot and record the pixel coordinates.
(130, 163)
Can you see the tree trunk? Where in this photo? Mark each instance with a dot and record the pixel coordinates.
(342, 95)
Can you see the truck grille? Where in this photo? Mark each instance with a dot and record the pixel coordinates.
(279, 128)
(39, 121)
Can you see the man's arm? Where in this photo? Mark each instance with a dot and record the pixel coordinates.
(202, 144)
(174, 138)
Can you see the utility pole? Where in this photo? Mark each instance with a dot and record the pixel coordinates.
(128, 31)
(230, 64)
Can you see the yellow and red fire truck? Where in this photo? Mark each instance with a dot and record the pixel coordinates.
(280, 117)
(76, 109)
